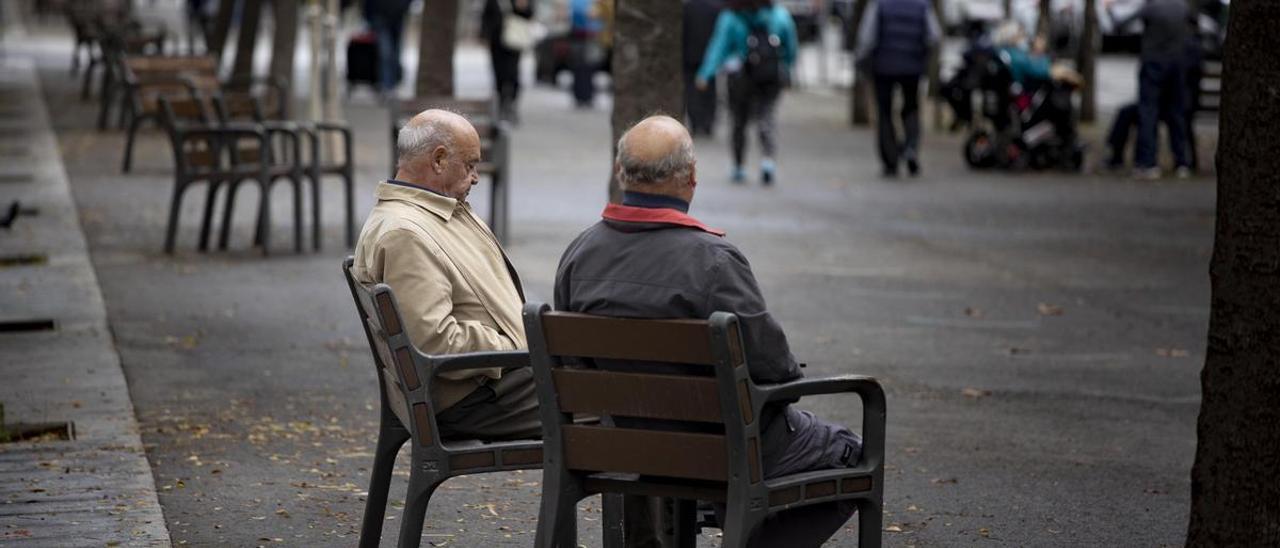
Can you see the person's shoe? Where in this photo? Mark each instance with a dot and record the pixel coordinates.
(1146, 173)
(767, 168)
(913, 166)
(739, 175)
(889, 171)
(1183, 172)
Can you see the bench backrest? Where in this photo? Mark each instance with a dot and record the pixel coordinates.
(689, 418)
(393, 357)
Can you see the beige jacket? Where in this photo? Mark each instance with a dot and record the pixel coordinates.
(455, 287)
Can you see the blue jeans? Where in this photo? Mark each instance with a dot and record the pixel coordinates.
(388, 25)
(1162, 94)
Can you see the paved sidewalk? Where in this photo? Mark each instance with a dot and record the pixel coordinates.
(97, 489)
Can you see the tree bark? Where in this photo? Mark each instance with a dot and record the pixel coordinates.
(437, 34)
(221, 27)
(1086, 62)
(284, 42)
(935, 73)
(1235, 482)
(247, 40)
(1042, 22)
(860, 98)
(646, 60)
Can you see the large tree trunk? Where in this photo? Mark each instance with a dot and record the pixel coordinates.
(1086, 62)
(221, 27)
(284, 43)
(646, 64)
(935, 73)
(1042, 22)
(1235, 483)
(435, 48)
(860, 98)
(247, 40)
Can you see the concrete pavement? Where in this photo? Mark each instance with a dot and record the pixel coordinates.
(1039, 335)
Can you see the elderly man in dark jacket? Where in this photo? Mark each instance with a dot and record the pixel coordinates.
(647, 258)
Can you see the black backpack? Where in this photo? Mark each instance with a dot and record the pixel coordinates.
(763, 64)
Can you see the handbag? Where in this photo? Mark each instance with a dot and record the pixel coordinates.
(518, 33)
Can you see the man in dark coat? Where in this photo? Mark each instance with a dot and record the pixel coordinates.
(894, 40)
(648, 258)
(700, 104)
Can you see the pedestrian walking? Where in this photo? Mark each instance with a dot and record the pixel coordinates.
(699, 104)
(504, 57)
(755, 43)
(1162, 82)
(894, 40)
(586, 52)
(386, 19)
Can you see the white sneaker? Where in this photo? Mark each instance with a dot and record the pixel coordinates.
(1146, 173)
(1184, 172)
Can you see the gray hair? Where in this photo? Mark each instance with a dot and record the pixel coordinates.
(417, 138)
(635, 171)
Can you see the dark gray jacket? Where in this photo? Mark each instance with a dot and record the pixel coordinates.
(1166, 27)
(662, 264)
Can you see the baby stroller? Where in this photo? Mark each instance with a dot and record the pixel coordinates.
(1022, 126)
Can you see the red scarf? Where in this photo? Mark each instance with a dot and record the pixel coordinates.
(632, 214)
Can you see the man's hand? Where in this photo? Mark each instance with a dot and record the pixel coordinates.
(1066, 74)
(700, 83)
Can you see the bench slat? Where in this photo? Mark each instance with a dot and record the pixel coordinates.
(649, 452)
(583, 336)
(671, 397)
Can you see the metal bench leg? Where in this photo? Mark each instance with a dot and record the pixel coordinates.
(421, 485)
(174, 208)
(128, 143)
(870, 521)
(206, 222)
(558, 513)
(263, 229)
(391, 436)
(297, 213)
(611, 516)
(315, 209)
(348, 186)
(224, 231)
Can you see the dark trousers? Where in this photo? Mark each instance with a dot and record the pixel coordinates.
(388, 26)
(891, 150)
(748, 102)
(505, 409)
(506, 73)
(583, 58)
(699, 105)
(1162, 94)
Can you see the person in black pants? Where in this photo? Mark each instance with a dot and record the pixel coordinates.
(504, 60)
(386, 18)
(699, 104)
(894, 40)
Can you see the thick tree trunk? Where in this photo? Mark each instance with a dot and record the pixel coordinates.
(437, 35)
(221, 27)
(646, 65)
(284, 42)
(1235, 483)
(1086, 62)
(935, 74)
(247, 40)
(1042, 22)
(860, 98)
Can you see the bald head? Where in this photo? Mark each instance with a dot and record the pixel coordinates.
(656, 156)
(438, 150)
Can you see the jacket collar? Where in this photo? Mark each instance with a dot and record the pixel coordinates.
(665, 217)
(442, 206)
(644, 199)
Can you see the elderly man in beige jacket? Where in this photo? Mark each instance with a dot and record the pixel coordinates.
(456, 288)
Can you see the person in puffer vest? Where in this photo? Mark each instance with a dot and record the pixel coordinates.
(894, 41)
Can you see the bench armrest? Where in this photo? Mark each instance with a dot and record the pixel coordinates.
(479, 360)
(867, 388)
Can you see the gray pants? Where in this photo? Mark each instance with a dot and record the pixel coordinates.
(748, 102)
(505, 409)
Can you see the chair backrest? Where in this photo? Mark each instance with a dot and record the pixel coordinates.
(403, 391)
(482, 113)
(689, 418)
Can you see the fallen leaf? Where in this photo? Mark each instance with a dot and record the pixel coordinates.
(974, 393)
(973, 312)
(893, 528)
(984, 532)
(943, 481)
(1049, 309)
(1172, 353)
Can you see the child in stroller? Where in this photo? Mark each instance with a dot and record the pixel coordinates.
(1027, 114)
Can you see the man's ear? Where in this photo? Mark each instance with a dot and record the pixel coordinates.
(693, 175)
(438, 158)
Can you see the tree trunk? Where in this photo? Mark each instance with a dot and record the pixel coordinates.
(284, 43)
(247, 39)
(1235, 483)
(1086, 62)
(859, 100)
(935, 74)
(1042, 22)
(437, 35)
(646, 55)
(221, 27)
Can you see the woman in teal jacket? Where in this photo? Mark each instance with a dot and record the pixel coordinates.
(753, 87)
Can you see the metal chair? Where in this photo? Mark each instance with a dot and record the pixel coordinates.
(701, 439)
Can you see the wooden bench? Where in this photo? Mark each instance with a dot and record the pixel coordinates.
(706, 443)
(494, 146)
(146, 78)
(405, 376)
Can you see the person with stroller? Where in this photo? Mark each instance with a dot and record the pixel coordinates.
(894, 40)
(755, 42)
